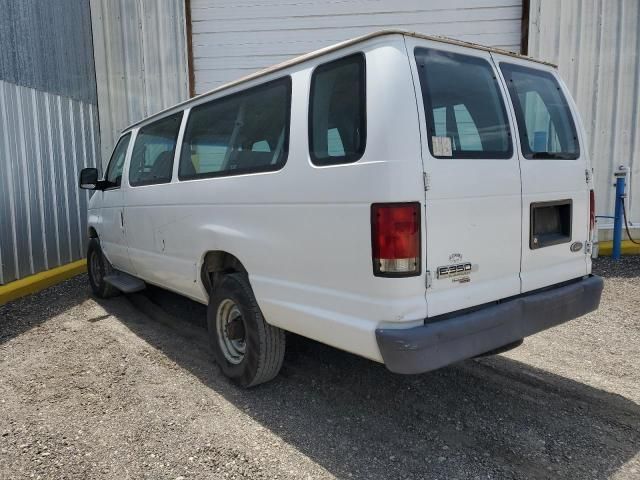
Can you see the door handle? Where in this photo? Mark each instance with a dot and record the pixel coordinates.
(121, 219)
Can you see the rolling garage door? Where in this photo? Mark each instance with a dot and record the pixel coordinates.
(232, 38)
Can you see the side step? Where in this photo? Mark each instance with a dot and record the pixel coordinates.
(125, 283)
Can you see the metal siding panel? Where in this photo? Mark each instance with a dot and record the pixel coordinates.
(76, 159)
(70, 224)
(596, 45)
(45, 140)
(47, 51)
(54, 161)
(48, 188)
(141, 64)
(632, 52)
(38, 144)
(31, 190)
(22, 246)
(8, 270)
(38, 36)
(234, 38)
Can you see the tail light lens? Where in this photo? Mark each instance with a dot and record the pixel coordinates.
(395, 238)
(592, 212)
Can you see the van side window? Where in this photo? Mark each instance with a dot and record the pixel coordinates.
(116, 163)
(464, 109)
(153, 151)
(245, 132)
(337, 111)
(544, 119)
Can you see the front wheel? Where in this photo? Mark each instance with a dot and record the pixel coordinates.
(99, 267)
(246, 347)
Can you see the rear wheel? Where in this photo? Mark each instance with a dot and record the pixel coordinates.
(99, 267)
(246, 347)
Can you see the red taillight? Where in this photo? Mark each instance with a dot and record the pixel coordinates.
(592, 212)
(395, 238)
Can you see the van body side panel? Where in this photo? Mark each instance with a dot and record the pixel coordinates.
(548, 182)
(303, 233)
(150, 215)
(473, 205)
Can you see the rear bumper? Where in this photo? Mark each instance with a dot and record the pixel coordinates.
(434, 345)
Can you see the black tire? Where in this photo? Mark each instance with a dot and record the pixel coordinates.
(264, 344)
(99, 267)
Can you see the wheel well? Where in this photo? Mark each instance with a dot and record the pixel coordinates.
(215, 265)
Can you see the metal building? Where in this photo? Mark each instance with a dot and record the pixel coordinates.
(231, 38)
(141, 61)
(595, 43)
(48, 132)
(73, 74)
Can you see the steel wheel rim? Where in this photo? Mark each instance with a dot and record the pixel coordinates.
(232, 349)
(96, 268)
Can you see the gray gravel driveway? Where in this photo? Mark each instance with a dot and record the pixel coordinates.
(126, 388)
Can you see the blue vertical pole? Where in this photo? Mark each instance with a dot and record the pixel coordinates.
(618, 219)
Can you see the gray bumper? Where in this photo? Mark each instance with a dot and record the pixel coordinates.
(434, 345)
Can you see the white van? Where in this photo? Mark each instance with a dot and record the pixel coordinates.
(413, 200)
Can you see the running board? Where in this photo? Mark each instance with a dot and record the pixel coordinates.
(125, 283)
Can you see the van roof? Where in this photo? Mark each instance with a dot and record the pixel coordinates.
(333, 48)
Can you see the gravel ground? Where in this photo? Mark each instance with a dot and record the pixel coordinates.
(126, 388)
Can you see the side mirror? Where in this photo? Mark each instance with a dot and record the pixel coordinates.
(89, 178)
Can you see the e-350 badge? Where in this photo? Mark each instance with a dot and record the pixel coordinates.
(449, 271)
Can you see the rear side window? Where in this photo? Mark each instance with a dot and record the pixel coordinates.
(116, 163)
(152, 157)
(245, 132)
(544, 119)
(463, 106)
(337, 111)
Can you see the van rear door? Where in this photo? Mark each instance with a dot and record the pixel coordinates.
(473, 192)
(555, 179)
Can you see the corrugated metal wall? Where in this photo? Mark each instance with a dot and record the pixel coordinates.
(141, 61)
(48, 132)
(596, 45)
(47, 45)
(232, 38)
(45, 140)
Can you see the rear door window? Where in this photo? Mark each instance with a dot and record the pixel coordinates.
(545, 124)
(465, 113)
(152, 157)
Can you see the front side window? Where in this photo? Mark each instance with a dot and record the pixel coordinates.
(544, 119)
(246, 132)
(464, 110)
(337, 111)
(116, 163)
(152, 156)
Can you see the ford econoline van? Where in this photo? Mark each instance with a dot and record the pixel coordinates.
(414, 200)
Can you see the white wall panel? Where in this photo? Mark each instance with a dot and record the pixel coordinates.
(232, 38)
(596, 45)
(141, 61)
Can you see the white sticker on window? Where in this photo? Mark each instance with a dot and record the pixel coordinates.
(441, 146)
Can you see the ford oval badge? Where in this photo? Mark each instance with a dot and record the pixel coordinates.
(576, 246)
